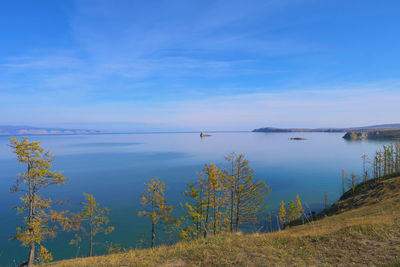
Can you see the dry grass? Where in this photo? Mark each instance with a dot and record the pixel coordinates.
(367, 233)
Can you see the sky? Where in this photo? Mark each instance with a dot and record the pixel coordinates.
(179, 65)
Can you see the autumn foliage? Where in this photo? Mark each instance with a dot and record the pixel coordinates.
(38, 216)
(222, 199)
(290, 212)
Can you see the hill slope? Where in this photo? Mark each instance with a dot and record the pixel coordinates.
(362, 229)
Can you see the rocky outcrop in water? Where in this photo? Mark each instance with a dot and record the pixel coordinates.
(355, 136)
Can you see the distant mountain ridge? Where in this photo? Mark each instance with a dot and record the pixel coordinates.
(30, 130)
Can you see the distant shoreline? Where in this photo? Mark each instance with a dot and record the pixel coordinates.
(383, 127)
(385, 131)
(22, 130)
(36, 131)
(391, 131)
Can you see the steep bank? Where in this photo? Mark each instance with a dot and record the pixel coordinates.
(362, 229)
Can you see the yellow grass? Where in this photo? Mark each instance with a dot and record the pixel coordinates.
(367, 233)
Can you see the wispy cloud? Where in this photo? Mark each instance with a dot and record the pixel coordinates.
(201, 65)
(307, 108)
(42, 62)
(292, 109)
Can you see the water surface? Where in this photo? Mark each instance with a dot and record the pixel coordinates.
(114, 168)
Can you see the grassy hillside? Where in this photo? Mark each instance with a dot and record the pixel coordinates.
(361, 229)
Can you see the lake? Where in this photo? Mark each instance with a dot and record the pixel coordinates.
(114, 167)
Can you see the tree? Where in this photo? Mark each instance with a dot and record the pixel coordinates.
(190, 226)
(246, 194)
(365, 171)
(212, 189)
(386, 161)
(397, 158)
(299, 207)
(231, 182)
(282, 213)
(155, 203)
(206, 211)
(92, 221)
(221, 200)
(379, 161)
(291, 211)
(36, 177)
(344, 177)
(352, 181)
(326, 201)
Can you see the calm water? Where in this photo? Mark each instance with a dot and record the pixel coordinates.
(114, 168)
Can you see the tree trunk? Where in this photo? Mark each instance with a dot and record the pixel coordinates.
(91, 240)
(215, 212)
(238, 196)
(237, 213)
(200, 219)
(153, 235)
(31, 259)
(207, 216)
(233, 188)
(231, 211)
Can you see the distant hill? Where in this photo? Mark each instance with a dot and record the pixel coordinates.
(296, 130)
(29, 130)
(382, 127)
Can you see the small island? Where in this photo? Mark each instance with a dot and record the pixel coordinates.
(297, 138)
(204, 135)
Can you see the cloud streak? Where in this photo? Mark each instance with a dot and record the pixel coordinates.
(227, 65)
(307, 108)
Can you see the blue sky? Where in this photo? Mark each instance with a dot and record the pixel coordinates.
(199, 65)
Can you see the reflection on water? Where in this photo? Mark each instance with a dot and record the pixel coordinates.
(114, 168)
